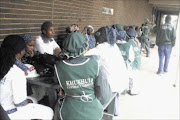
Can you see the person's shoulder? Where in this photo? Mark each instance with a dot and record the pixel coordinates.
(39, 39)
(14, 70)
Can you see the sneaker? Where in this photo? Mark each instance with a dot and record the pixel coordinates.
(159, 73)
(130, 93)
(144, 51)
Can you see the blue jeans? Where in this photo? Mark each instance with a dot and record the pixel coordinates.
(164, 51)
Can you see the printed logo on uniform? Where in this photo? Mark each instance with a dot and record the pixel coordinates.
(167, 27)
(72, 84)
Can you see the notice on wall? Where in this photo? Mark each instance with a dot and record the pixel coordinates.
(107, 11)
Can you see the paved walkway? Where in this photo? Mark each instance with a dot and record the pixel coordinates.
(158, 98)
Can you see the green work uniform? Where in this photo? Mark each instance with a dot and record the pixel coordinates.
(137, 61)
(77, 80)
(146, 29)
(124, 48)
(144, 37)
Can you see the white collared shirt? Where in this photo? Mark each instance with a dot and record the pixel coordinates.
(44, 47)
(13, 88)
(111, 59)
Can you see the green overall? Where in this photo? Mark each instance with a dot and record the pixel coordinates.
(124, 48)
(144, 37)
(137, 61)
(77, 80)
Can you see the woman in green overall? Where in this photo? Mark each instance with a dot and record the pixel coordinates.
(135, 64)
(77, 77)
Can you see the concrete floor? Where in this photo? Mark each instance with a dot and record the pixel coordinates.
(158, 98)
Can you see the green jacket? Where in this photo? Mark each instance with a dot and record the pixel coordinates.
(146, 29)
(166, 35)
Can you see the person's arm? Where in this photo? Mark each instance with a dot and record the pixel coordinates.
(173, 37)
(94, 51)
(57, 51)
(102, 88)
(131, 54)
(84, 30)
(157, 36)
(56, 48)
(19, 89)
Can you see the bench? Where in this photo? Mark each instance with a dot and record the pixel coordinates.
(109, 108)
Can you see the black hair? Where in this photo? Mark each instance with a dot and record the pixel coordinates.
(99, 35)
(168, 19)
(136, 28)
(45, 26)
(12, 45)
(68, 30)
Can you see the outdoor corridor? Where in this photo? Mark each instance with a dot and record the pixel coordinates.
(158, 98)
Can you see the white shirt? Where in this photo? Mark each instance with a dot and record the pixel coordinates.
(44, 47)
(111, 59)
(13, 91)
(13, 88)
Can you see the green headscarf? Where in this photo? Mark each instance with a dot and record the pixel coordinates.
(75, 44)
(118, 27)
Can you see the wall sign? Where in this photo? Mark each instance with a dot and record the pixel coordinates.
(107, 10)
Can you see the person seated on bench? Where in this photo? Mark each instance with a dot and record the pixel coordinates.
(77, 76)
(45, 43)
(13, 92)
(111, 60)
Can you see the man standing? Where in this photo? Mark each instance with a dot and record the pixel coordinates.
(145, 31)
(165, 40)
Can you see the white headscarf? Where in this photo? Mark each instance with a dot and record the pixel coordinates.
(89, 26)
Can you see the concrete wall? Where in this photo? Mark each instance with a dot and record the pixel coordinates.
(26, 16)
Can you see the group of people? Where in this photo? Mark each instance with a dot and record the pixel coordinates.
(89, 67)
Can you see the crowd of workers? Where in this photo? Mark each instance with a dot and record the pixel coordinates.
(89, 67)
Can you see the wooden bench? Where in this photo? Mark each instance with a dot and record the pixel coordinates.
(109, 108)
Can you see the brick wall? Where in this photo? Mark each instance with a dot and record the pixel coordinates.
(26, 16)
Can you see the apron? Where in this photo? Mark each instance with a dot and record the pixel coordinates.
(77, 80)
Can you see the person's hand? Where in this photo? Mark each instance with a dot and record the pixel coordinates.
(57, 51)
(29, 101)
(84, 30)
(30, 53)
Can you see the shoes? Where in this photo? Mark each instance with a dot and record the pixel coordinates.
(131, 93)
(144, 51)
(159, 73)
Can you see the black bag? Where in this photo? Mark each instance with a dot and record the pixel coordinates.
(44, 64)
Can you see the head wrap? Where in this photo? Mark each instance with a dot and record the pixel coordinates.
(125, 27)
(121, 35)
(75, 44)
(27, 37)
(106, 34)
(89, 26)
(131, 33)
(118, 27)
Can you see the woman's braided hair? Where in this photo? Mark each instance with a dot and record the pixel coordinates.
(12, 45)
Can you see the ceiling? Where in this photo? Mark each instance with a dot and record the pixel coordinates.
(166, 5)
